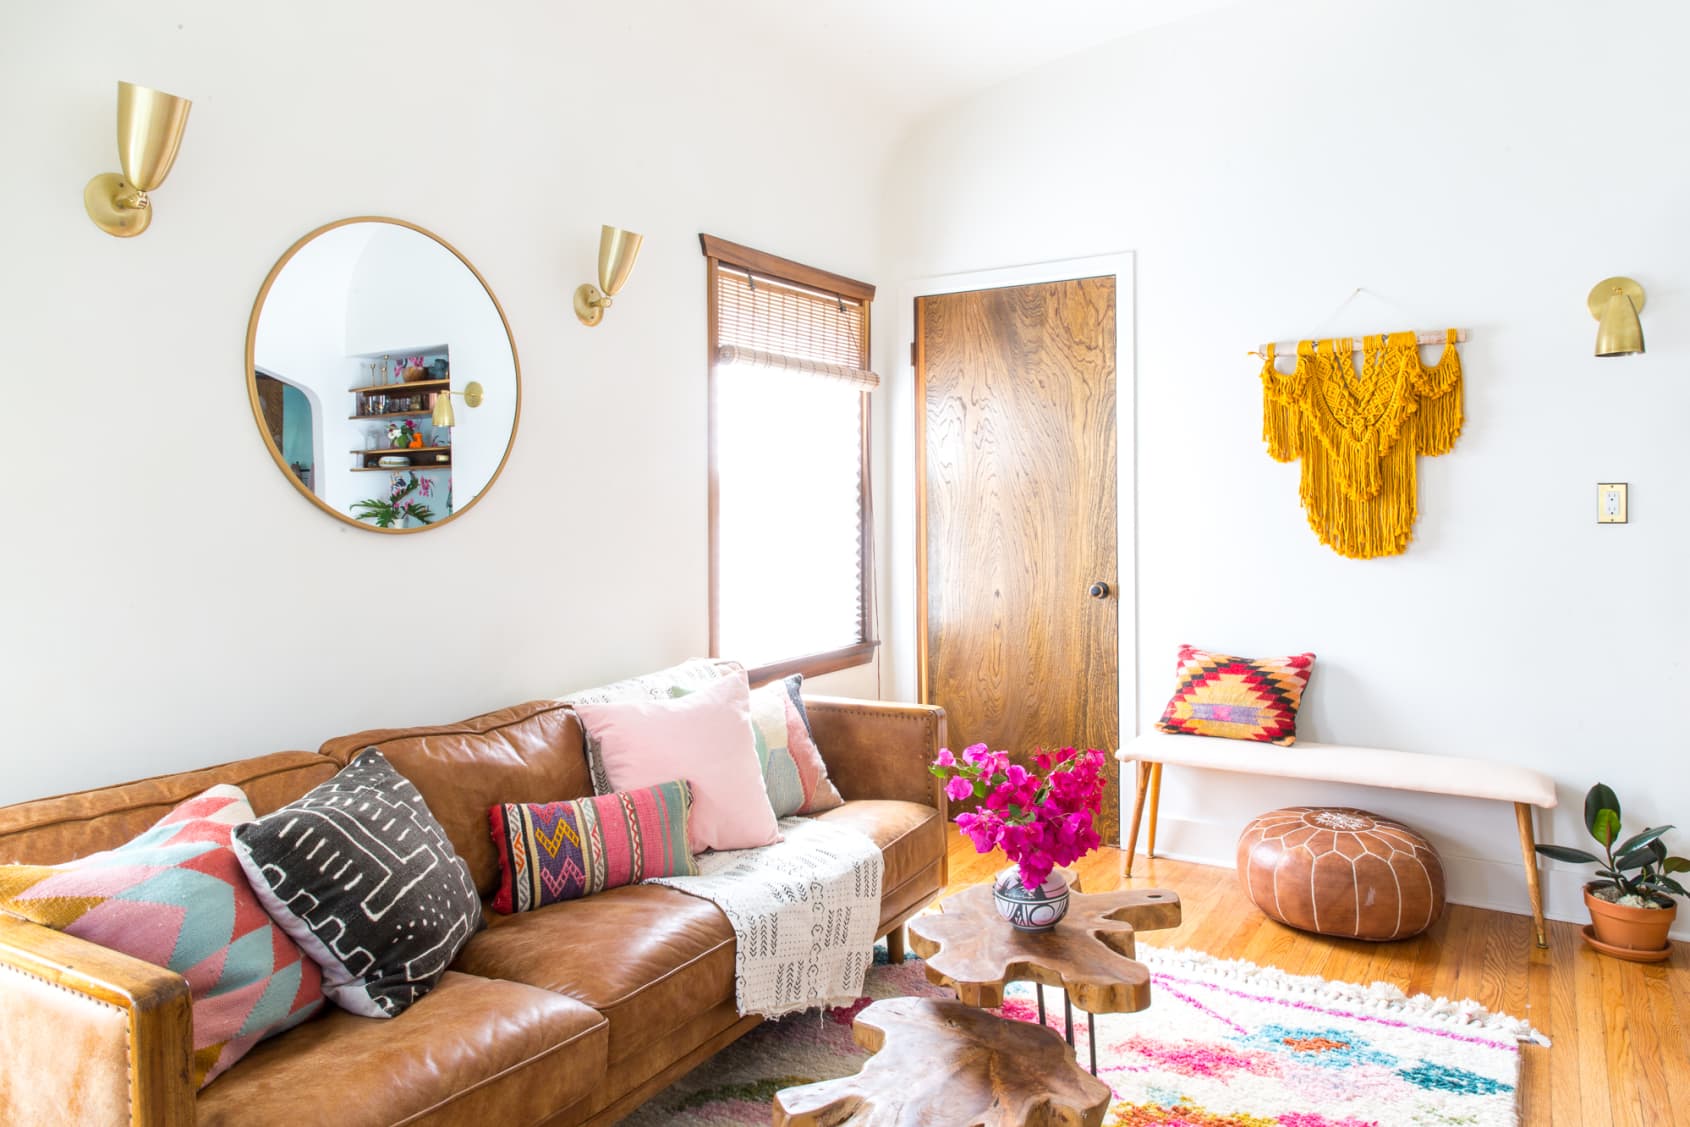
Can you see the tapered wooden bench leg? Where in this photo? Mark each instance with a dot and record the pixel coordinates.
(895, 944)
(1528, 849)
(1155, 804)
(1143, 783)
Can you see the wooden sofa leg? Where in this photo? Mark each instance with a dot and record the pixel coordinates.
(895, 944)
(1155, 804)
(1528, 850)
(1143, 783)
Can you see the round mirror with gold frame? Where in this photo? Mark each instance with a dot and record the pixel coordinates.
(383, 375)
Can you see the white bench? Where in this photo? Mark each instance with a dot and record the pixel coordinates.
(1337, 763)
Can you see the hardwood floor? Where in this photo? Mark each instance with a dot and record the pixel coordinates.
(1621, 1031)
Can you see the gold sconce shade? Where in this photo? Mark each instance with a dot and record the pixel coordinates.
(444, 416)
(617, 251)
(150, 124)
(1615, 303)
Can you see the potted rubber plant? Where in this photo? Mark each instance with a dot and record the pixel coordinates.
(1631, 901)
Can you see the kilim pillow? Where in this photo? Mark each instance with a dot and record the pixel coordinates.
(565, 850)
(794, 774)
(1238, 698)
(176, 896)
(362, 876)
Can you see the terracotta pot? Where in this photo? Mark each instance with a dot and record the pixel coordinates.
(1635, 929)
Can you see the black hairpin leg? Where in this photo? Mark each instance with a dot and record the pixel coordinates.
(1068, 1024)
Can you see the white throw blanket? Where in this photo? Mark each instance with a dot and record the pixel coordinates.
(804, 913)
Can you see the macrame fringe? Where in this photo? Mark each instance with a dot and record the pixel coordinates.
(1358, 437)
(1377, 998)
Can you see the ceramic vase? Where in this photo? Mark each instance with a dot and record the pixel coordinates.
(1036, 910)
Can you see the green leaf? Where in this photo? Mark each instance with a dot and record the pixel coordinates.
(1643, 838)
(1675, 865)
(1636, 859)
(1602, 813)
(1564, 853)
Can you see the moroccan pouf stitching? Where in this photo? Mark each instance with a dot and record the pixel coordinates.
(1340, 871)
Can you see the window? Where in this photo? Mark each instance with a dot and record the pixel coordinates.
(791, 542)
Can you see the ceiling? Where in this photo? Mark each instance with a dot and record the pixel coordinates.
(913, 56)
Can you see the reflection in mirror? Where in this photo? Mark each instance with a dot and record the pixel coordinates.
(358, 332)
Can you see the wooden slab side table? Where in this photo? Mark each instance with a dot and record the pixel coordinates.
(947, 1063)
(1088, 954)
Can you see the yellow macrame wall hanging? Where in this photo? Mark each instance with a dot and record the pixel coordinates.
(1359, 435)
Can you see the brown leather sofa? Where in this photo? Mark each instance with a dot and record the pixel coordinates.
(572, 1014)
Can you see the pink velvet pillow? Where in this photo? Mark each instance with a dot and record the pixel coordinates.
(704, 738)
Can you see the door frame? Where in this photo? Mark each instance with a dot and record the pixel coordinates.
(907, 550)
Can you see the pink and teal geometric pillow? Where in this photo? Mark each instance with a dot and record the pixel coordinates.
(177, 897)
(1237, 698)
(566, 850)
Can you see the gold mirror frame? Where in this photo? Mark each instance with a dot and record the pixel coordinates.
(258, 409)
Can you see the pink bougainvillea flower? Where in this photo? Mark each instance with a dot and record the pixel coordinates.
(945, 758)
(958, 788)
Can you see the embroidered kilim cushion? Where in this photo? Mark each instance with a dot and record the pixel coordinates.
(794, 774)
(363, 877)
(176, 896)
(1238, 698)
(565, 850)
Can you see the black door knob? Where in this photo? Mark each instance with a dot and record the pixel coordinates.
(1100, 590)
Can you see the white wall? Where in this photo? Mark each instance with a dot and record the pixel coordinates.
(142, 637)
(1480, 165)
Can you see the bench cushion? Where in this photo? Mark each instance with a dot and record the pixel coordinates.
(1340, 763)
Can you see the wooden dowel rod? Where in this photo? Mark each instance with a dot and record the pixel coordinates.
(1430, 336)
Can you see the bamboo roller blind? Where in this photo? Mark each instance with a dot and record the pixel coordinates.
(775, 324)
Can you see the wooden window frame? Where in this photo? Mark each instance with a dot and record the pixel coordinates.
(720, 252)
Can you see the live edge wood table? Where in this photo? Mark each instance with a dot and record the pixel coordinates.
(1088, 954)
(941, 1063)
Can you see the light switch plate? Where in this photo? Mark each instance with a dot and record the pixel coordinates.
(1610, 503)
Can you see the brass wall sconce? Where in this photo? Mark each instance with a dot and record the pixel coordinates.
(1615, 303)
(149, 131)
(617, 251)
(444, 416)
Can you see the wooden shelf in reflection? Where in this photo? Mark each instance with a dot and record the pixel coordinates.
(384, 451)
(402, 469)
(394, 388)
(426, 412)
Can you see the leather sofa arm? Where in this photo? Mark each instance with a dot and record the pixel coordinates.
(90, 1035)
(879, 749)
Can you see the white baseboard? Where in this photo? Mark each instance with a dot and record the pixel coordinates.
(1478, 882)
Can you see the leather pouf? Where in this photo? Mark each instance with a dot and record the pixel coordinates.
(1341, 872)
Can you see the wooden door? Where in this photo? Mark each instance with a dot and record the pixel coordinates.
(1016, 565)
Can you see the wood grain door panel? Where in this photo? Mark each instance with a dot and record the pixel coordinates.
(1016, 405)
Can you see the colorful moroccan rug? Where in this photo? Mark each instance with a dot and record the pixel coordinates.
(1224, 1044)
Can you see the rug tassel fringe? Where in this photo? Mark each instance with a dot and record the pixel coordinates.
(1381, 997)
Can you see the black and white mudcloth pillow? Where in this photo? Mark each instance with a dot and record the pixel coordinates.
(363, 878)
